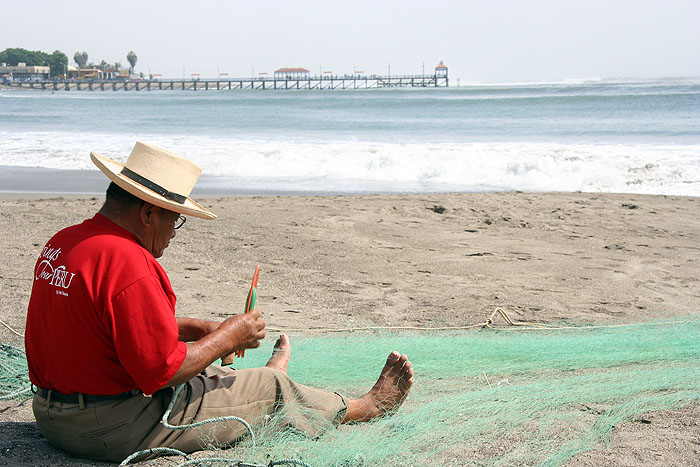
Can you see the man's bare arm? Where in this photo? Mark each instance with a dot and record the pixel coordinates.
(193, 329)
(244, 331)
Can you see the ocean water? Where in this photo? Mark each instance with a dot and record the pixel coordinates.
(634, 136)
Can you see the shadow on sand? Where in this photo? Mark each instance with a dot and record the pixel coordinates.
(21, 444)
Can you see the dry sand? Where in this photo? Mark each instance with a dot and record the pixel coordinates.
(407, 260)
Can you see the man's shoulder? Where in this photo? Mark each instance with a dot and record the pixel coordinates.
(98, 239)
(98, 232)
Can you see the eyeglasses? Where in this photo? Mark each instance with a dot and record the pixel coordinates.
(179, 222)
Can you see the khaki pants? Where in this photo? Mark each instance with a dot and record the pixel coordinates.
(114, 429)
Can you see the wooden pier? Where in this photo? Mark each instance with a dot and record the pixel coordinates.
(261, 83)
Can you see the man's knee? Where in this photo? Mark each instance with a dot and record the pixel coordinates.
(241, 387)
(274, 376)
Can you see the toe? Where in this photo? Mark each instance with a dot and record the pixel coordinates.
(393, 357)
(400, 362)
(282, 341)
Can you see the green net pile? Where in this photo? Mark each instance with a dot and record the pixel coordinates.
(497, 397)
(14, 379)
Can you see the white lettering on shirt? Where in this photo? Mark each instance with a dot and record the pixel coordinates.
(57, 276)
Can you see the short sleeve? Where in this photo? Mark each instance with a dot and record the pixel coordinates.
(146, 334)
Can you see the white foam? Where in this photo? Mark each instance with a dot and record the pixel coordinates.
(352, 165)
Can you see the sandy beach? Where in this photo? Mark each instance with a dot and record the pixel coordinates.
(424, 260)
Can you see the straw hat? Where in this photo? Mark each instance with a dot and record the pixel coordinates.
(158, 177)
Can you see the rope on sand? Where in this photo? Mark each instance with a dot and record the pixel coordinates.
(485, 324)
(208, 460)
(170, 451)
(11, 329)
(523, 325)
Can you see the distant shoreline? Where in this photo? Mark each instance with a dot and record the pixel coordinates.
(35, 181)
(38, 182)
(16, 182)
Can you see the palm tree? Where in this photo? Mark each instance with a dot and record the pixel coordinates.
(80, 59)
(131, 58)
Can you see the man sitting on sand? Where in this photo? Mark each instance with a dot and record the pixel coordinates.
(105, 349)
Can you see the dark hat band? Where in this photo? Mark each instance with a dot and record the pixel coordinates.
(153, 186)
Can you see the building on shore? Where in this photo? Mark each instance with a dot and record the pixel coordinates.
(441, 70)
(22, 72)
(96, 73)
(291, 73)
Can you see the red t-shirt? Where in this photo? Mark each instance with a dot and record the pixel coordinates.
(101, 317)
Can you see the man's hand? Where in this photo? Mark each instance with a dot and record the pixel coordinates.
(245, 331)
(193, 329)
(238, 332)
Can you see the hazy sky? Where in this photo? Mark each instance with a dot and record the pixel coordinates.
(480, 41)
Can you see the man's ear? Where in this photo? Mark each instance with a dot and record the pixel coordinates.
(146, 215)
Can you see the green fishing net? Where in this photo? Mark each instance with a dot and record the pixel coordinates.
(496, 397)
(483, 397)
(14, 378)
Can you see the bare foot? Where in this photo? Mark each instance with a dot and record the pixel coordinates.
(280, 354)
(387, 394)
